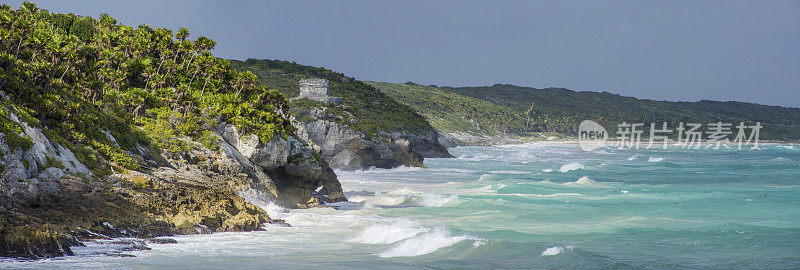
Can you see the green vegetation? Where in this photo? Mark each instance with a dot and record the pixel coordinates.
(79, 77)
(14, 136)
(373, 112)
(52, 162)
(521, 110)
(447, 110)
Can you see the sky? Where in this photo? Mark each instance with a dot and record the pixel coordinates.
(664, 50)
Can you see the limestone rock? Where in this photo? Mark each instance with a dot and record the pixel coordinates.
(15, 171)
(43, 148)
(185, 193)
(272, 155)
(346, 160)
(347, 149)
(52, 173)
(187, 205)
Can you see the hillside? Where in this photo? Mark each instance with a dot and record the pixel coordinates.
(366, 128)
(374, 111)
(447, 110)
(522, 110)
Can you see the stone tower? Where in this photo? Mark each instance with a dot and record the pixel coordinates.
(317, 89)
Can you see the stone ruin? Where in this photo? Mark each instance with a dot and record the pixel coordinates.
(317, 89)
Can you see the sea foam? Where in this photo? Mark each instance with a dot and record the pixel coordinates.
(436, 200)
(387, 233)
(570, 167)
(405, 197)
(585, 181)
(426, 243)
(555, 250)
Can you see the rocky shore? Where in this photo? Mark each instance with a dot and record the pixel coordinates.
(348, 149)
(49, 201)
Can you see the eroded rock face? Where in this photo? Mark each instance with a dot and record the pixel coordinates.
(347, 160)
(15, 171)
(193, 206)
(428, 145)
(52, 173)
(43, 206)
(288, 168)
(44, 148)
(347, 149)
(272, 155)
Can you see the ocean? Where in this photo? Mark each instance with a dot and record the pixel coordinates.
(537, 205)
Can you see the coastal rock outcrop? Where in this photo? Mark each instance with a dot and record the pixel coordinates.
(348, 149)
(288, 168)
(51, 201)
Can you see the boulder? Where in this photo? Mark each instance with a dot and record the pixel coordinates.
(52, 173)
(49, 189)
(25, 193)
(347, 149)
(271, 155)
(15, 171)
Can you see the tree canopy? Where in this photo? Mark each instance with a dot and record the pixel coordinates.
(79, 77)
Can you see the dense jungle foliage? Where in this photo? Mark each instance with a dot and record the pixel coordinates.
(78, 78)
(520, 110)
(372, 111)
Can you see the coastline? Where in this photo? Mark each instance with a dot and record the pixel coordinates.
(515, 140)
(413, 217)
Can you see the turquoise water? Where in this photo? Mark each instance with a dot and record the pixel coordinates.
(541, 205)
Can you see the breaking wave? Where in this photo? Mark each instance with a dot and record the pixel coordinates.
(571, 167)
(555, 250)
(428, 242)
(407, 197)
(387, 233)
(585, 181)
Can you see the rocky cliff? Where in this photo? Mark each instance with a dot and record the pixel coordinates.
(49, 200)
(355, 125)
(346, 148)
(110, 130)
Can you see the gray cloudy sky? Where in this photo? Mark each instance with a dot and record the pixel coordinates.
(666, 50)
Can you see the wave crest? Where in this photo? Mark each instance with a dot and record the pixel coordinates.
(387, 233)
(428, 242)
(552, 251)
(585, 181)
(571, 167)
(407, 197)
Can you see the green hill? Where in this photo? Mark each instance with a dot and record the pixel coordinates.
(521, 110)
(374, 111)
(447, 110)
